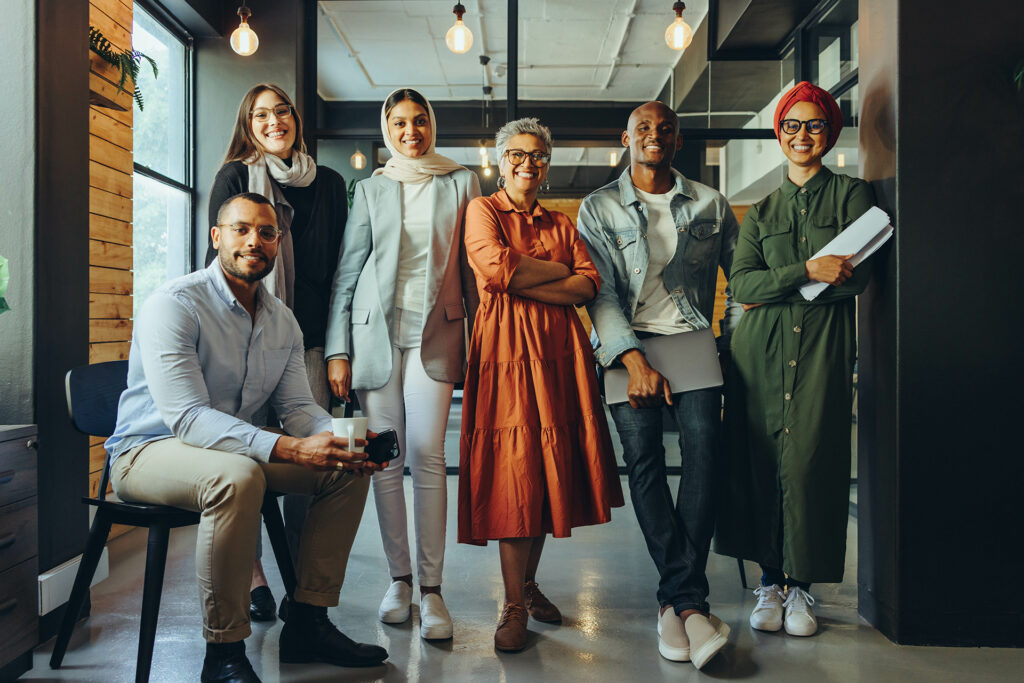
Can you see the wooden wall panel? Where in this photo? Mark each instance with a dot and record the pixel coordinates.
(106, 306)
(110, 230)
(110, 255)
(110, 208)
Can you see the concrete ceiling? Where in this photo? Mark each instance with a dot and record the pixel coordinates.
(602, 50)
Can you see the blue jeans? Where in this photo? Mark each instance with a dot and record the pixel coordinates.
(678, 535)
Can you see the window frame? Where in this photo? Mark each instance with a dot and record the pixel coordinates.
(166, 20)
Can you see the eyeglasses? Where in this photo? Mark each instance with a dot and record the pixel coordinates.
(266, 233)
(792, 126)
(281, 111)
(518, 156)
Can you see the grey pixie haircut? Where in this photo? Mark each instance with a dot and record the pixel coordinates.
(526, 126)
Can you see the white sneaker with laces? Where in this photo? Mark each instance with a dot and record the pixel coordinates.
(800, 620)
(767, 614)
(395, 607)
(435, 622)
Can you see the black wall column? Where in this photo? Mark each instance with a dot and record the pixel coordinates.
(941, 363)
(62, 274)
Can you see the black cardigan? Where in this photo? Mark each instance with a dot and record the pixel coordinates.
(319, 222)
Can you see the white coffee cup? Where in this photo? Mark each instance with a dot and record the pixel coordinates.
(351, 428)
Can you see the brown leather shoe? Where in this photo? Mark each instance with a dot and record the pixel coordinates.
(510, 635)
(538, 605)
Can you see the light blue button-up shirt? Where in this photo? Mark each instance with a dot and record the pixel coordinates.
(613, 223)
(199, 367)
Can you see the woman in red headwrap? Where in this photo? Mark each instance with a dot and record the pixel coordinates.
(787, 433)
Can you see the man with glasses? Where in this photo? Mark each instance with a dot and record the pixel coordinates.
(658, 240)
(208, 350)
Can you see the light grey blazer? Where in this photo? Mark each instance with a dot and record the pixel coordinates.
(363, 297)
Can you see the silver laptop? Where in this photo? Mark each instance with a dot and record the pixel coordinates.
(688, 360)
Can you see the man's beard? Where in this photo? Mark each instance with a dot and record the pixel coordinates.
(228, 261)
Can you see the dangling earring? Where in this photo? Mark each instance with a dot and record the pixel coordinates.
(546, 187)
(501, 182)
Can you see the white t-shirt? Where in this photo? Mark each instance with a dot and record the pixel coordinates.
(656, 312)
(417, 222)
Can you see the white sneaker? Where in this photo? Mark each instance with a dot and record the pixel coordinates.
(800, 619)
(767, 614)
(672, 641)
(435, 622)
(394, 608)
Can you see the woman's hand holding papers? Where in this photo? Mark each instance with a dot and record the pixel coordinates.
(835, 270)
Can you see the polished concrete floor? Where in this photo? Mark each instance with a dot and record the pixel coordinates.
(602, 579)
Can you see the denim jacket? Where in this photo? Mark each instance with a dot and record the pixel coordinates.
(613, 223)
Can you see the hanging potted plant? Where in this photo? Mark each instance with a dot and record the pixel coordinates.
(127, 62)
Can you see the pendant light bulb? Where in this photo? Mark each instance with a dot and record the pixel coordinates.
(358, 160)
(487, 171)
(613, 159)
(244, 40)
(679, 35)
(459, 38)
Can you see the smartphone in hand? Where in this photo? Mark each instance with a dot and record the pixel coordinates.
(383, 447)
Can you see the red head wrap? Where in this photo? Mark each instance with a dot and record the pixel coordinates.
(804, 91)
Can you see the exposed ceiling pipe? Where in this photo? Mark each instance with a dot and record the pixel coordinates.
(622, 44)
(348, 45)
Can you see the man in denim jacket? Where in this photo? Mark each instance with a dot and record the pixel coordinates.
(658, 240)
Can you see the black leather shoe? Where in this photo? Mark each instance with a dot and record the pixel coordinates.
(261, 605)
(282, 611)
(309, 636)
(234, 668)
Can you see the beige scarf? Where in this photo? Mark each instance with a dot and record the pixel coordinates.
(406, 169)
(302, 172)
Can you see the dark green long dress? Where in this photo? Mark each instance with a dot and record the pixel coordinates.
(786, 469)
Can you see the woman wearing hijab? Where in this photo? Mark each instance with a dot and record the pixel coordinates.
(397, 336)
(536, 456)
(267, 155)
(790, 394)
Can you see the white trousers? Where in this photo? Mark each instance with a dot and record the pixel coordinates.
(416, 407)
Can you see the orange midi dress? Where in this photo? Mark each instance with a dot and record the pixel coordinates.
(536, 457)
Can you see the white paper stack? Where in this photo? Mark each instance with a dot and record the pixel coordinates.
(862, 239)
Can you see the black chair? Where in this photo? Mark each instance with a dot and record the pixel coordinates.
(93, 392)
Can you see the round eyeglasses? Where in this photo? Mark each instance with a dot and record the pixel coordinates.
(518, 156)
(792, 126)
(281, 111)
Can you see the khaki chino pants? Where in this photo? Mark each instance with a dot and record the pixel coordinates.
(227, 489)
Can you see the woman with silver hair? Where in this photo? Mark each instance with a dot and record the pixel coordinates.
(536, 457)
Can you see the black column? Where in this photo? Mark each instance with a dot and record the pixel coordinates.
(512, 88)
(941, 364)
(62, 273)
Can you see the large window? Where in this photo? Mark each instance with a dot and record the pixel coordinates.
(163, 183)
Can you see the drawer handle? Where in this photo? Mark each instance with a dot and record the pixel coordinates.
(7, 541)
(8, 605)
(6, 476)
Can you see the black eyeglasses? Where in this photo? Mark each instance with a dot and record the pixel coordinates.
(281, 111)
(266, 233)
(518, 156)
(792, 126)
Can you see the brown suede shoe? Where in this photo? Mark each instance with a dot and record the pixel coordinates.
(510, 635)
(538, 605)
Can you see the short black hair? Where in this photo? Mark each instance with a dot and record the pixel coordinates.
(253, 197)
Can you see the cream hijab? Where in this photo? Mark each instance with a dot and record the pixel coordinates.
(406, 169)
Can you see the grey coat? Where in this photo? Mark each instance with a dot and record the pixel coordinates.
(363, 297)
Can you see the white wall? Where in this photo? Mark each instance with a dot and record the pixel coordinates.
(17, 209)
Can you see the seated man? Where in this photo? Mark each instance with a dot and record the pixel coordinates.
(209, 350)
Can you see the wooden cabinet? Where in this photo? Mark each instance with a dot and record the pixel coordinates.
(19, 547)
